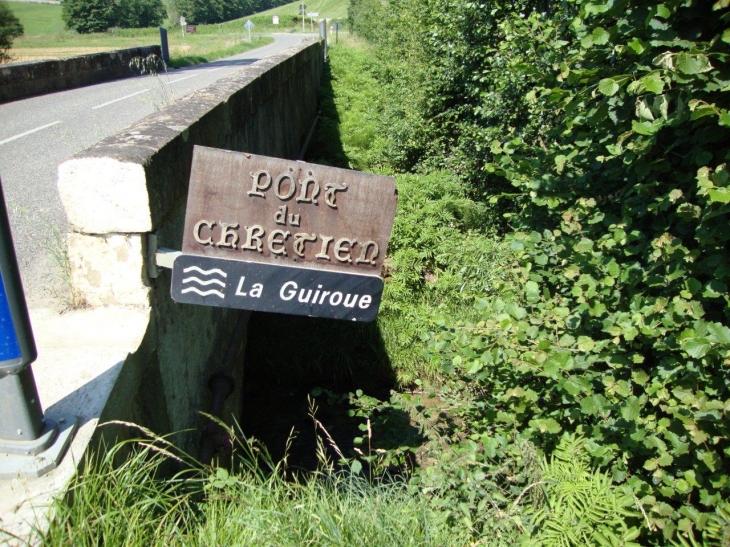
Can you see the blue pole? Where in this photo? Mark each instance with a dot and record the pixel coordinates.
(21, 418)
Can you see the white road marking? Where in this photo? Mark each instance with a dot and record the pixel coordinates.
(194, 75)
(119, 99)
(11, 139)
(183, 78)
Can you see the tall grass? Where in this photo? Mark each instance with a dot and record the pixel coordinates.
(139, 503)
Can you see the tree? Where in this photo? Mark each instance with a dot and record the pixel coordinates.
(138, 13)
(87, 16)
(10, 28)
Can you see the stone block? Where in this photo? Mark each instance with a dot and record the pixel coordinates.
(104, 195)
(109, 269)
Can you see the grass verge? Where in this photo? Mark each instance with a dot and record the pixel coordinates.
(251, 503)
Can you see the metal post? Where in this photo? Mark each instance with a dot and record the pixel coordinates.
(164, 46)
(29, 444)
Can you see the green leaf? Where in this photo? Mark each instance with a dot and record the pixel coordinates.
(475, 367)
(600, 36)
(556, 363)
(516, 311)
(702, 110)
(710, 459)
(596, 8)
(608, 87)
(726, 36)
(653, 83)
(631, 410)
(719, 195)
(584, 246)
(661, 105)
(645, 128)
(692, 63)
(532, 292)
(718, 333)
(356, 467)
(546, 425)
(643, 111)
(637, 46)
(586, 343)
(662, 11)
(575, 385)
(697, 347)
(593, 404)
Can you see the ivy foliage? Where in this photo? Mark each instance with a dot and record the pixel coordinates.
(601, 128)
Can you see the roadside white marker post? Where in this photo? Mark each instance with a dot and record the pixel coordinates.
(312, 15)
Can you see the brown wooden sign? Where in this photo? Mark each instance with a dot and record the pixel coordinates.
(289, 213)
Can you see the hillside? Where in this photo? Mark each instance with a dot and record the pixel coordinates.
(327, 9)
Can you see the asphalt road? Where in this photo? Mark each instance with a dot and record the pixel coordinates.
(37, 134)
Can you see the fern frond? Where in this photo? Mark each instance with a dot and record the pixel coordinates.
(582, 505)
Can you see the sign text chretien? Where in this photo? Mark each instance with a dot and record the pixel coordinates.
(284, 211)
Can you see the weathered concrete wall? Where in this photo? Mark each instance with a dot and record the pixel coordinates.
(21, 80)
(134, 184)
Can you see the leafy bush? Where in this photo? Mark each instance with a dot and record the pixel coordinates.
(10, 28)
(602, 128)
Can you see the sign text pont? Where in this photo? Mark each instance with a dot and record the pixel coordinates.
(323, 233)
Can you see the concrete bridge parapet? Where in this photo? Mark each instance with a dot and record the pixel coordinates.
(134, 184)
(21, 80)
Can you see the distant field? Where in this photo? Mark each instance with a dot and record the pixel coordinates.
(38, 18)
(327, 9)
(289, 20)
(46, 38)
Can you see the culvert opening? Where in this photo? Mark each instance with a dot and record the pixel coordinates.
(295, 365)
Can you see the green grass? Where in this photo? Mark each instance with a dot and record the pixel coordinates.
(140, 503)
(289, 20)
(45, 38)
(327, 9)
(38, 18)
